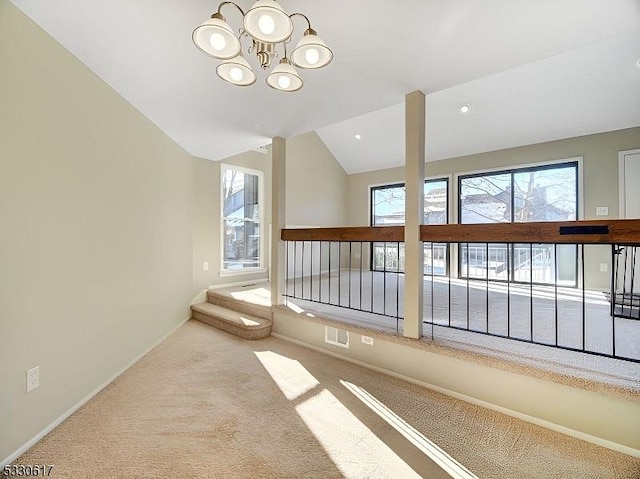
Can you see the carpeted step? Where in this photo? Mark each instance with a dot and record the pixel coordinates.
(238, 323)
(246, 307)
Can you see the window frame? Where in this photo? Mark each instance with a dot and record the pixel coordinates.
(372, 188)
(576, 162)
(262, 240)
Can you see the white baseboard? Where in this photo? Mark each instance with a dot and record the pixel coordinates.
(31, 442)
(478, 402)
(201, 297)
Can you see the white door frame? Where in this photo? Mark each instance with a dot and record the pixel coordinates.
(622, 197)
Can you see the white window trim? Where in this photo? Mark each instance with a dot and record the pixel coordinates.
(244, 271)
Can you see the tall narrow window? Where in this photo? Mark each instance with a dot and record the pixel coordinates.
(541, 193)
(387, 209)
(241, 218)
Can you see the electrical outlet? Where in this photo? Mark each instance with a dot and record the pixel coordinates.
(33, 378)
(602, 211)
(367, 340)
(205, 266)
(604, 267)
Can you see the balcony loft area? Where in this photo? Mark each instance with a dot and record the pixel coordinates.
(576, 331)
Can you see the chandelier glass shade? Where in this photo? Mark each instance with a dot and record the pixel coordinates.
(311, 51)
(267, 22)
(284, 77)
(237, 71)
(216, 38)
(268, 29)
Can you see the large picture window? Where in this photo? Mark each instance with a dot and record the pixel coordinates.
(542, 193)
(387, 209)
(241, 218)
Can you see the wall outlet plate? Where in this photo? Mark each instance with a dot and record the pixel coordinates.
(205, 266)
(367, 340)
(33, 378)
(602, 211)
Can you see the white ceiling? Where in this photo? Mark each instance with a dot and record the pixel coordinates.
(531, 71)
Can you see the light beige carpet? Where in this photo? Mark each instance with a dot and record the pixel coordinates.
(205, 404)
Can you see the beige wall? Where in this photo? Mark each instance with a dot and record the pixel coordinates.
(600, 180)
(316, 184)
(96, 233)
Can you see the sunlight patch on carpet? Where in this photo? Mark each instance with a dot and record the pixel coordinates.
(261, 296)
(290, 376)
(419, 440)
(352, 446)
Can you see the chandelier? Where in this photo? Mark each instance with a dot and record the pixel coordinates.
(268, 27)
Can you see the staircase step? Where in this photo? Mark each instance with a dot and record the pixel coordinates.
(253, 309)
(238, 323)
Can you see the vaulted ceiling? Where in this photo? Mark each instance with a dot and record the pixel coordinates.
(530, 71)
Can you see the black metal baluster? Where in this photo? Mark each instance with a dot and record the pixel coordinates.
(555, 288)
(509, 279)
(320, 275)
(339, 273)
(531, 291)
(286, 262)
(433, 319)
(350, 258)
(615, 264)
(360, 275)
(633, 277)
(384, 279)
(398, 290)
(487, 285)
(373, 258)
(468, 274)
(624, 276)
(329, 286)
(614, 282)
(302, 269)
(295, 265)
(311, 271)
(584, 302)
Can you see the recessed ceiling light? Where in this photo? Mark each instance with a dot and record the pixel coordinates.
(358, 137)
(466, 108)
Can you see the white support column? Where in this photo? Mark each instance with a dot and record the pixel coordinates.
(278, 218)
(415, 130)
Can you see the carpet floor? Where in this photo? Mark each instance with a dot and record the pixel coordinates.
(205, 404)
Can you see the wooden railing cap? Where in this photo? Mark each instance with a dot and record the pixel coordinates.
(564, 232)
